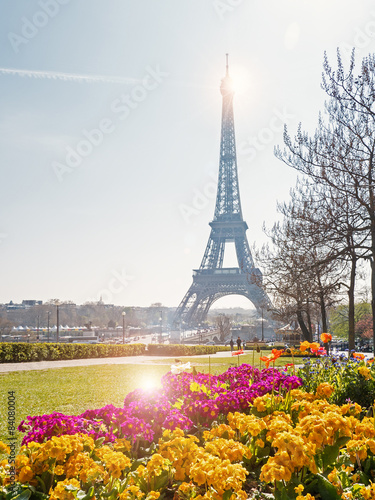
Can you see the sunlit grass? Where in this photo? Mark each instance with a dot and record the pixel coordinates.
(72, 390)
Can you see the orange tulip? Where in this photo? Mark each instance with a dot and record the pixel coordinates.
(271, 358)
(237, 353)
(276, 353)
(304, 345)
(358, 355)
(314, 346)
(325, 337)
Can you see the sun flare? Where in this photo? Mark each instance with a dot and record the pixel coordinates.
(148, 384)
(241, 79)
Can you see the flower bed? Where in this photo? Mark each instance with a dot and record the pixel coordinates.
(242, 434)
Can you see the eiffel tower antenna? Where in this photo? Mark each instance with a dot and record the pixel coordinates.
(213, 281)
(227, 72)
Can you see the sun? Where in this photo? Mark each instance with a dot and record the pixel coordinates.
(148, 384)
(241, 78)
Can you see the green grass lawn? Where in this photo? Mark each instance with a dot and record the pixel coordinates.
(73, 390)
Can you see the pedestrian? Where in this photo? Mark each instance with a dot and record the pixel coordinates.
(239, 342)
(231, 343)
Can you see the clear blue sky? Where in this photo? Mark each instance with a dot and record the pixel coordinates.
(127, 218)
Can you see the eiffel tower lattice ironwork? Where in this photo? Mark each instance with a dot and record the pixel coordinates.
(213, 281)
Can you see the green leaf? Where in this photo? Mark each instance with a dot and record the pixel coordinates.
(42, 483)
(99, 442)
(363, 478)
(136, 464)
(71, 487)
(282, 494)
(82, 495)
(326, 489)
(369, 464)
(106, 495)
(329, 454)
(25, 495)
(161, 481)
(227, 494)
(342, 441)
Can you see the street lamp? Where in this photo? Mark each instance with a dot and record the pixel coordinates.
(123, 326)
(48, 315)
(161, 327)
(262, 327)
(57, 320)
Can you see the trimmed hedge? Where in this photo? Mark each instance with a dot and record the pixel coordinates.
(18, 352)
(183, 350)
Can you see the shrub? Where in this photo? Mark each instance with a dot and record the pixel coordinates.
(183, 350)
(18, 352)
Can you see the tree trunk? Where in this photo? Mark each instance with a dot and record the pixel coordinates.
(323, 312)
(305, 331)
(373, 295)
(309, 325)
(351, 309)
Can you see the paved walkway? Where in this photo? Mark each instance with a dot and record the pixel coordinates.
(44, 365)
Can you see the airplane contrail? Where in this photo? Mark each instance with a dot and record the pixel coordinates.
(53, 75)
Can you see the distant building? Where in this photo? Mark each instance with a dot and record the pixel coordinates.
(25, 304)
(31, 303)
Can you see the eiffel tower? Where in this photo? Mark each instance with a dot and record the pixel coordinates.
(213, 281)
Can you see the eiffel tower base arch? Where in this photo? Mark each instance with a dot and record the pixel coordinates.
(208, 287)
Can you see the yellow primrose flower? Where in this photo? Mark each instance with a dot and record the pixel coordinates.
(365, 372)
(180, 451)
(4, 448)
(153, 495)
(25, 475)
(130, 493)
(122, 445)
(259, 404)
(246, 423)
(228, 449)
(157, 464)
(277, 468)
(324, 390)
(356, 448)
(218, 432)
(60, 493)
(59, 470)
(299, 489)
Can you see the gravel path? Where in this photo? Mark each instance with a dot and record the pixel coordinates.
(44, 365)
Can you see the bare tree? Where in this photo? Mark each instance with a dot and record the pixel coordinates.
(5, 327)
(223, 324)
(340, 157)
